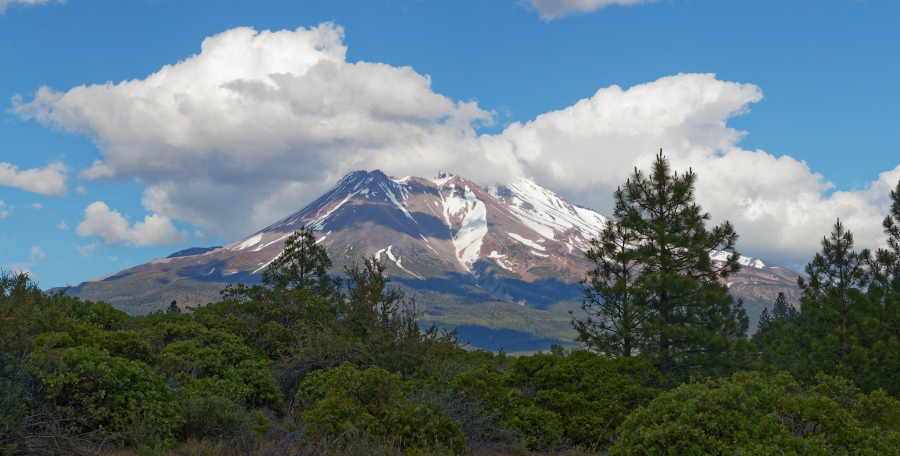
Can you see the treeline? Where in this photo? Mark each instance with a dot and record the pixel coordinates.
(305, 363)
(849, 319)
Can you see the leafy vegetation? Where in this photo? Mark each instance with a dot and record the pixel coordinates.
(654, 291)
(304, 363)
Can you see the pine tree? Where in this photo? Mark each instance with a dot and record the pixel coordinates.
(834, 298)
(657, 261)
(883, 326)
(765, 321)
(617, 313)
(778, 337)
(302, 265)
(782, 310)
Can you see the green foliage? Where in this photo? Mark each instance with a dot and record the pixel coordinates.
(759, 413)
(373, 401)
(849, 319)
(212, 362)
(21, 303)
(654, 290)
(297, 294)
(590, 394)
(374, 325)
(105, 394)
(834, 299)
(617, 312)
(380, 323)
(778, 337)
(302, 265)
(212, 417)
(554, 400)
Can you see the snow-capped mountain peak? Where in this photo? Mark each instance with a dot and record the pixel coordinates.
(517, 241)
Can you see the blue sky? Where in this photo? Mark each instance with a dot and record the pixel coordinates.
(785, 109)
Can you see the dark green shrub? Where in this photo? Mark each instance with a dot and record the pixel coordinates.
(212, 417)
(753, 413)
(589, 394)
(373, 401)
(99, 392)
(212, 362)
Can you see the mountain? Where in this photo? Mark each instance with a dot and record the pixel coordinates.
(500, 263)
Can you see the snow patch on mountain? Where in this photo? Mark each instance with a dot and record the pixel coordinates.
(756, 263)
(399, 262)
(464, 206)
(441, 178)
(393, 199)
(527, 242)
(546, 212)
(318, 223)
(247, 243)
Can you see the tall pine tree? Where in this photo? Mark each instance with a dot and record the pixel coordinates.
(617, 312)
(834, 300)
(883, 326)
(655, 260)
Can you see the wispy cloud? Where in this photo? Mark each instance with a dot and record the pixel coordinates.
(5, 210)
(37, 254)
(554, 9)
(6, 3)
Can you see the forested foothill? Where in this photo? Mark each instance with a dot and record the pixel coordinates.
(309, 364)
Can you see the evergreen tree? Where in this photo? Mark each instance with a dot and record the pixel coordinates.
(778, 337)
(303, 265)
(296, 294)
(380, 322)
(834, 299)
(765, 321)
(617, 312)
(687, 318)
(782, 310)
(883, 326)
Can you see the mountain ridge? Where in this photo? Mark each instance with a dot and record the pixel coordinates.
(455, 244)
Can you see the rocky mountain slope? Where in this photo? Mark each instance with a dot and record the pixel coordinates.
(500, 263)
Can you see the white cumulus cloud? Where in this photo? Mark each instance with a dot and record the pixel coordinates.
(236, 136)
(4, 210)
(260, 123)
(49, 180)
(113, 229)
(781, 208)
(552, 9)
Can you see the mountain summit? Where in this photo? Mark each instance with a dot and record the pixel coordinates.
(447, 239)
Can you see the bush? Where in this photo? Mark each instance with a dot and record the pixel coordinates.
(590, 394)
(212, 362)
(373, 401)
(754, 413)
(107, 395)
(212, 417)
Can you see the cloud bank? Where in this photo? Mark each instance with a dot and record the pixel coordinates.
(553, 9)
(259, 123)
